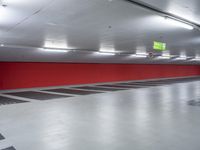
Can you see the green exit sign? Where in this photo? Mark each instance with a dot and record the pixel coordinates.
(159, 46)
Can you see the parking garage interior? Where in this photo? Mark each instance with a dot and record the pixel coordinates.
(99, 75)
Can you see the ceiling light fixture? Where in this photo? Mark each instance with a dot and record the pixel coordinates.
(105, 53)
(181, 58)
(55, 50)
(164, 57)
(196, 59)
(107, 50)
(178, 23)
(139, 55)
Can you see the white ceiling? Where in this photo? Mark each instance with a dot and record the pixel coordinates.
(92, 25)
(188, 9)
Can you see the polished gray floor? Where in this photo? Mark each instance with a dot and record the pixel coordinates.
(152, 118)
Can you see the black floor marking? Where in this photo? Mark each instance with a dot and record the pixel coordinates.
(131, 85)
(9, 148)
(1, 137)
(109, 87)
(157, 83)
(162, 83)
(174, 81)
(97, 88)
(134, 84)
(144, 84)
(72, 91)
(115, 86)
(128, 85)
(194, 102)
(7, 101)
(37, 95)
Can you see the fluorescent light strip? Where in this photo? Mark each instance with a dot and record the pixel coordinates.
(164, 57)
(181, 58)
(105, 53)
(107, 50)
(195, 59)
(178, 23)
(139, 55)
(55, 50)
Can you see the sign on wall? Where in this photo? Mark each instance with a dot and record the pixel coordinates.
(159, 46)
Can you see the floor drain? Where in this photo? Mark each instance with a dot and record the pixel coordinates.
(194, 102)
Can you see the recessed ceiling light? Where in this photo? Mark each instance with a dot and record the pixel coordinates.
(2, 45)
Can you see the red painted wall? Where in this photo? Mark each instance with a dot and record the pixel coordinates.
(27, 75)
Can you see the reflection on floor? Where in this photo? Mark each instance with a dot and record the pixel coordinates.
(153, 115)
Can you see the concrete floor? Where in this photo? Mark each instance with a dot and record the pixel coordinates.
(153, 118)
